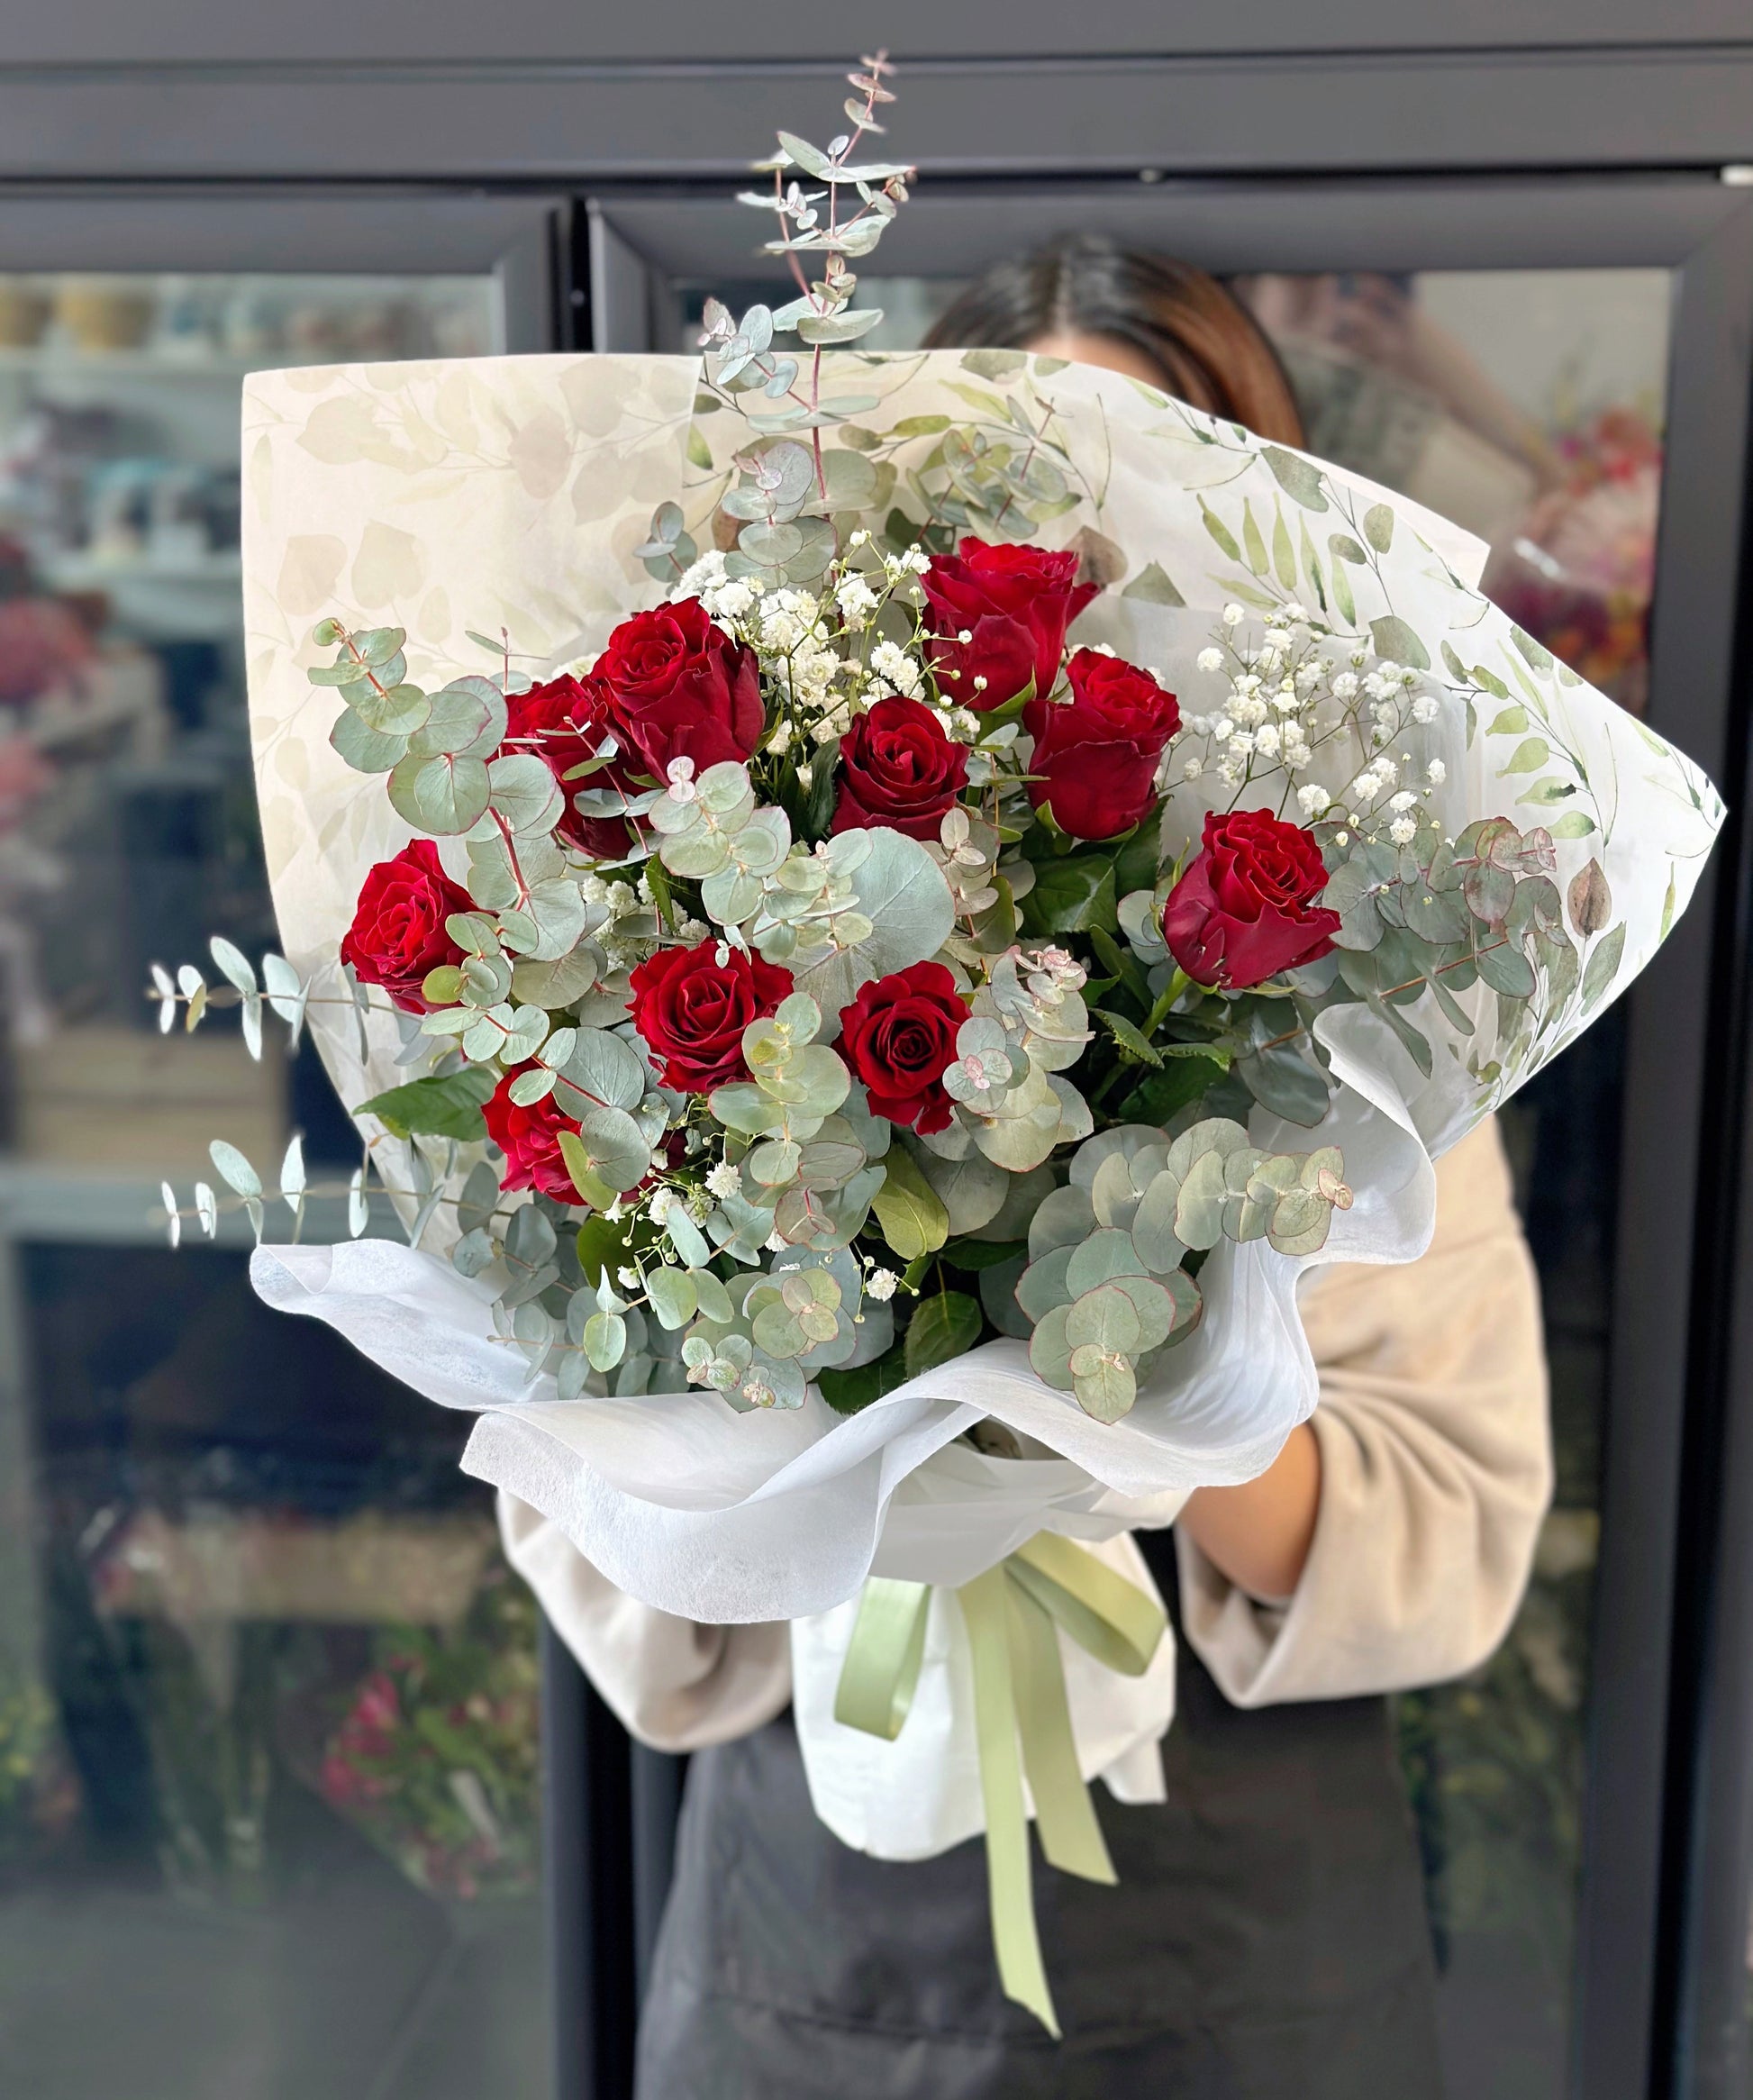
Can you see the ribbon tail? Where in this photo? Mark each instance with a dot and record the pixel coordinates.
(1015, 1940)
(1070, 1835)
(880, 1673)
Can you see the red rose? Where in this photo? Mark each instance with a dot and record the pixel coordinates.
(397, 934)
(1244, 909)
(1097, 753)
(1014, 603)
(898, 768)
(899, 1036)
(564, 721)
(682, 687)
(692, 1010)
(530, 1138)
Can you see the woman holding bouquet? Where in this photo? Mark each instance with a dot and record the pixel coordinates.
(1267, 1937)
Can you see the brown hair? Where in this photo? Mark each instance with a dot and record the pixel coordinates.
(1209, 350)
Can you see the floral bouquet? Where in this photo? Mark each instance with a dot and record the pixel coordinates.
(867, 1023)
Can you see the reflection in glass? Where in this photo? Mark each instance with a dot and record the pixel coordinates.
(267, 1693)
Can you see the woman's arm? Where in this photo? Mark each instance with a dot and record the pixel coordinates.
(1258, 1535)
(1434, 1469)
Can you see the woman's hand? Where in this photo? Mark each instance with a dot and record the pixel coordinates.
(1258, 1535)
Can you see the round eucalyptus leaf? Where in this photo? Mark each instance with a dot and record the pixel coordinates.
(1103, 1319)
(618, 1154)
(366, 750)
(468, 721)
(1042, 1285)
(673, 1296)
(1156, 1308)
(1066, 1218)
(523, 791)
(605, 1340)
(1105, 1389)
(1102, 1256)
(396, 711)
(715, 1300)
(1049, 1352)
(604, 1070)
(440, 795)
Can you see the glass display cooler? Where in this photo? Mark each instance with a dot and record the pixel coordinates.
(291, 1783)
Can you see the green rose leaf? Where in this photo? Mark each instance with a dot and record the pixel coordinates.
(945, 1326)
(447, 1107)
(909, 1211)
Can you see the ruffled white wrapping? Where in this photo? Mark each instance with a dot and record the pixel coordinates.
(512, 491)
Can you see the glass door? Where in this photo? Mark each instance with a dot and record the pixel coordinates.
(1528, 361)
(269, 1695)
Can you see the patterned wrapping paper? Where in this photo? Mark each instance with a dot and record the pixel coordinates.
(512, 493)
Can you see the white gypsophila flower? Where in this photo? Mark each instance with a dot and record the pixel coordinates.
(889, 660)
(1296, 753)
(728, 601)
(692, 931)
(1345, 687)
(700, 575)
(963, 724)
(859, 539)
(1222, 728)
(1312, 799)
(1276, 637)
(1366, 787)
(1295, 612)
(1191, 769)
(1426, 708)
(1357, 658)
(881, 1285)
(1229, 773)
(630, 1279)
(724, 1180)
(1385, 769)
(593, 889)
(1241, 744)
(1266, 740)
(1436, 772)
(1408, 677)
(1287, 699)
(663, 1201)
(776, 1243)
(1341, 838)
(1209, 659)
(1310, 673)
(1233, 615)
(1405, 800)
(854, 597)
(779, 737)
(1403, 831)
(1246, 682)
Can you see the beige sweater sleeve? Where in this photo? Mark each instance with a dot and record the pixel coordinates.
(1435, 1473)
(1435, 1465)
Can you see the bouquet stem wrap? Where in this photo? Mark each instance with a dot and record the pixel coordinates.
(1013, 1615)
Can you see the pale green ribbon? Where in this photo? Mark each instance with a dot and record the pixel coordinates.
(1013, 1614)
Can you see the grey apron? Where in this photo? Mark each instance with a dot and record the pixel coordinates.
(1267, 1940)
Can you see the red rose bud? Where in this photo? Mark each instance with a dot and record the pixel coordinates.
(397, 935)
(1097, 752)
(567, 721)
(898, 769)
(1245, 908)
(692, 1010)
(530, 1138)
(899, 1037)
(683, 688)
(1015, 605)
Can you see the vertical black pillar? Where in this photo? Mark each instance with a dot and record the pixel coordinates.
(587, 1850)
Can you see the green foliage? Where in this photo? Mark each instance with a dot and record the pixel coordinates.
(448, 1107)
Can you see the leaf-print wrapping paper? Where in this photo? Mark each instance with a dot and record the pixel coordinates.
(511, 492)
